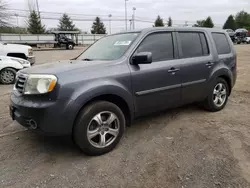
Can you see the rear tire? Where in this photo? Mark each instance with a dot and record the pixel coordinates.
(8, 76)
(218, 96)
(93, 132)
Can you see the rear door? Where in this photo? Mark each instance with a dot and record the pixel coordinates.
(196, 64)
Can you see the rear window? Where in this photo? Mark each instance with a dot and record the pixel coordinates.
(193, 44)
(222, 44)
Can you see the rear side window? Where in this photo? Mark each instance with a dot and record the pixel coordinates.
(160, 45)
(191, 44)
(221, 43)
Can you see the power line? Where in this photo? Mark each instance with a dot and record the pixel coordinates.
(90, 17)
(61, 13)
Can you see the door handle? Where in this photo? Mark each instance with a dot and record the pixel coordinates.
(173, 70)
(209, 64)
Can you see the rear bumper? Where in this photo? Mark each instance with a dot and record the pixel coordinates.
(31, 59)
(52, 118)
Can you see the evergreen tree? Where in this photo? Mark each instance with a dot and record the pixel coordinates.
(208, 22)
(98, 27)
(34, 24)
(205, 23)
(66, 24)
(158, 22)
(230, 23)
(170, 22)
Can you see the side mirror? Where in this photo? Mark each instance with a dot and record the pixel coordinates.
(142, 58)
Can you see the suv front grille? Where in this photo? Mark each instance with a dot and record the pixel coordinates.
(20, 83)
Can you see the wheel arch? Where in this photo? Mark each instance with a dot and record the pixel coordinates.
(228, 80)
(112, 98)
(225, 74)
(9, 68)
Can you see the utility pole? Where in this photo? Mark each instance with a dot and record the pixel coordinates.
(126, 17)
(37, 5)
(110, 23)
(134, 9)
(17, 21)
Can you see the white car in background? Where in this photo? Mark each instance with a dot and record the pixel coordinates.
(9, 67)
(17, 50)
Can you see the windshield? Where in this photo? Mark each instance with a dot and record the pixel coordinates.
(109, 48)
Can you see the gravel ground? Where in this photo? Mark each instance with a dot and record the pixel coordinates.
(184, 147)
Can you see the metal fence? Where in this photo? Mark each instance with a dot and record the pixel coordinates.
(83, 39)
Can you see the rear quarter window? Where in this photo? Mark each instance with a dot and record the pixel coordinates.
(221, 43)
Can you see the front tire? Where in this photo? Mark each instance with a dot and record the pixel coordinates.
(70, 46)
(7, 76)
(218, 96)
(99, 128)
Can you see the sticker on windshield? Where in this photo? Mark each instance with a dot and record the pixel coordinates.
(122, 43)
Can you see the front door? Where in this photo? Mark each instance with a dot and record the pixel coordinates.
(157, 86)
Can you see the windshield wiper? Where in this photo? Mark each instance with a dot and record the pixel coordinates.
(87, 59)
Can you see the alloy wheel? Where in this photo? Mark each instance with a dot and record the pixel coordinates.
(219, 94)
(103, 129)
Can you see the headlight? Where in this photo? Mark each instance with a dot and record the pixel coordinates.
(30, 52)
(21, 61)
(39, 84)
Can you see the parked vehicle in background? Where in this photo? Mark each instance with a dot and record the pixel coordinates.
(47, 40)
(9, 66)
(63, 40)
(232, 34)
(19, 51)
(241, 35)
(248, 40)
(122, 77)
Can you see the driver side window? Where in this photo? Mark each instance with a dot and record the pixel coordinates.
(160, 45)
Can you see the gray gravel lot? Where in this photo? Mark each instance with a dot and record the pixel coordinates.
(179, 148)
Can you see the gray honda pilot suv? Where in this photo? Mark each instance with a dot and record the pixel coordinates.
(121, 77)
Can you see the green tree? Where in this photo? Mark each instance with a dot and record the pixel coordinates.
(170, 22)
(230, 23)
(66, 24)
(199, 23)
(34, 24)
(208, 22)
(205, 23)
(242, 20)
(158, 22)
(98, 27)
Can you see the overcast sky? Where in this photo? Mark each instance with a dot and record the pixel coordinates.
(146, 10)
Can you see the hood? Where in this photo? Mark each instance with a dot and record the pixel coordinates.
(18, 46)
(58, 67)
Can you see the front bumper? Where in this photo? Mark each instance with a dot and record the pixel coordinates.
(31, 59)
(43, 116)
